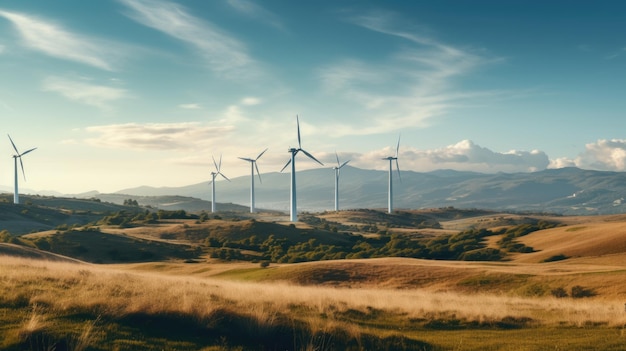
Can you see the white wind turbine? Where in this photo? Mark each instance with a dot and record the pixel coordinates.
(293, 210)
(16, 195)
(253, 165)
(218, 166)
(390, 195)
(337, 168)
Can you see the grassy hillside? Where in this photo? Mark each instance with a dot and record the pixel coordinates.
(561, 284)
(37, 213)
(121, 308)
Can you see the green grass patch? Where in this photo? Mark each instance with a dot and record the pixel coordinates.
(575, 229)
(252, 274)
(494, 282)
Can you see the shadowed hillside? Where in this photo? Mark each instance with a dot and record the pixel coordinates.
(36, 213)
(569, 191)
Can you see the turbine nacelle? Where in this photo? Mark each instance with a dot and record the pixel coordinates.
(253, 166)
(294, 151)
(339, 166)
(390, 191)
(18, 155)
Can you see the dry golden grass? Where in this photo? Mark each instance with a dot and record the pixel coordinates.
(585, 239)
(27, 252)
(114, 292)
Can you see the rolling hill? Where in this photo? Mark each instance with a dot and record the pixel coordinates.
(568, 191)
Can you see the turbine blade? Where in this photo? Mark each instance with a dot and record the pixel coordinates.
(25, 152)
(337, 156)
(398, 168)
(22, 164)
(257, 172)
(261, 154)
(220, 164)
(215, 163)
(343, 164)
(12, 143)
(398, 146)
(298, 124)
(246, 159)
(311, 156)
(287, 164)
(223, 176)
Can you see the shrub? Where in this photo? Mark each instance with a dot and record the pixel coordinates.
(559, 257)
(559, 292)
(579, 292)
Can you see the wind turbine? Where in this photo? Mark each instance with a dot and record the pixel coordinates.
(16, 195)
(390, 195)
(293, 211)
(218, 166)
(337, 168)
(253, 165)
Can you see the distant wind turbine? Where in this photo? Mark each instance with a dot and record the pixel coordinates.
(218, 167)
(337, 168)
(16, 195)
(391, 158)
(253, 165)
(293, 211)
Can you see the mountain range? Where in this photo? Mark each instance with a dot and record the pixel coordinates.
(567, 191)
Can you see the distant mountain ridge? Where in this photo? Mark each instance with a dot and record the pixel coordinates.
(568, 191)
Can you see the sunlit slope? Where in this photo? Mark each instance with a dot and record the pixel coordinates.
(585, 240)
(13, 250)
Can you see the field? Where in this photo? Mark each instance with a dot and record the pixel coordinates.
(568, 293)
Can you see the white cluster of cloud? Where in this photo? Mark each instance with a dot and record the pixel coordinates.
(604, 155)
(464, 156)
(156, 136)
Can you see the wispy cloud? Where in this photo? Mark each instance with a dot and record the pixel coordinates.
(90, 94)
(616, 54)
(54, 40)
(250, 101)
(224, 53)
(414, 84)
(1, 49)
(156, 136)
(191, 106)
(257, 12)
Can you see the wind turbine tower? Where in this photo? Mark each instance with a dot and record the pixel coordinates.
(16, 195)
(253, 165)
(217, 172)
(337, 168)
(390, 190)
(293, 209)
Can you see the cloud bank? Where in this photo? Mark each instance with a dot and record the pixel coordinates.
(463, 156)
(602, 155)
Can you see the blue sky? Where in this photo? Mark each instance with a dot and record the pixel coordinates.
(117, 94)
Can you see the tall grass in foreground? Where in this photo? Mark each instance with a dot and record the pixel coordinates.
(49, 290)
